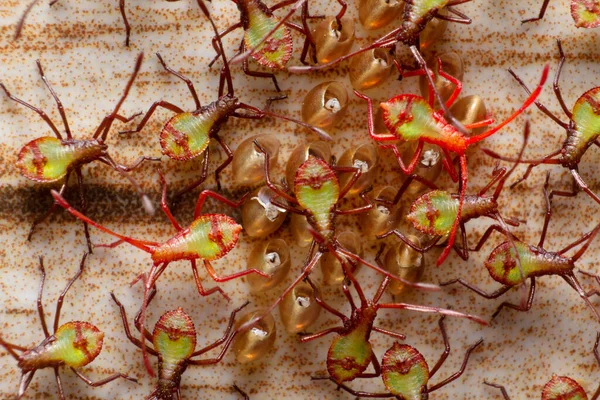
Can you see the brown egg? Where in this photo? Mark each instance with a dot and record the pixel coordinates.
(370, 69)
(256, 342)
(299, 309)
(470, 109)
(260, 218)
(325, 105)
(375, 14)
(330, 41)
(433, 31)
(248, 164)
(331, 268)
(381, 218)
(403, 261)
(271, 257)
(365, 157)
(452, 64)
(320, 149)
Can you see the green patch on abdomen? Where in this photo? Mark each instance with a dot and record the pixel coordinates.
(349, 356)
(186, 135)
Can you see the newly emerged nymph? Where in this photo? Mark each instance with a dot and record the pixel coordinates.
(434, 212)
(583, 130)
(187, 134)
(561, 387)
(351, 351)
(410, 117)
(258, 20)
(173, 343)
(405, 372)
(49, 159)
(209, 237)
(513, 262)
(74, 344)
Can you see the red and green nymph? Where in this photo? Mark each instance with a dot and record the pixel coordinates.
(405, 372)
(50, 159)
(173, 343)
(74, 344)
(410, 118)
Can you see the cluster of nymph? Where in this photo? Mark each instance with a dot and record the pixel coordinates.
(427, 134)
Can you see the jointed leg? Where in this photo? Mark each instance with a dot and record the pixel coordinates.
(519, 307)
(138, 343)
(371, 123)
(61, 393)
(481, 292)
(376, 366)
(258, 74)
(83, 206)
(187, 81)
(404, 187)
(102, 381)
(555, 85)
(584, 185)
(10, 348)
(457, 374)
(40, 305)
(409, 242)
(165, 206)
(209, 193)
(495, 385)
(125, 22)
(144, 121)
(270, 184)
(319, 300)
(198, 182)
(42, 218)
(241, 392)
(211, 271)
(59, 302)
(61, 109)
(540, 16)
(446, 352)
(317, 335)
(136, 164)
(393, 334)
(220, 36)
(40, 112)
(548, 211)
(361, 209)
(434, 310)
(226, 334)
(225, 163)
(407, 170)
(199, 284)
(538, 104)
(353, 392)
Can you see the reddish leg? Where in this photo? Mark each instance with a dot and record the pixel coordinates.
(83, 205)
(211, 271)
(270, 184)
(42, 218)
(353, 392)
(209, 193)
(375, 136)
(407, 170)
(532, 97)
(187, 81)
(409, 242)
(446, 352)
(435, 310)
(457, 374)
(144, 245)
(61, 392)
(40, 305)
(10, 348)
(305, 272)
(165, 206)
(102, 381)
(358, 210)
(131, 338)
(584, 185)
(225, 163)
(59, 302)
(198, 182)
(144, 121)
(539, 17)
(461, 199)
(220, 36)
(59, 105)
(226, 334)
(555, 85)
(519, 307)
(308, 338)
(495, 385)
(405, 186)
(241, 392)
(571, 279)
(41, 113)
(257, 74)
(481, 292)
(319, 300)
(125, 22)
(201, 290)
